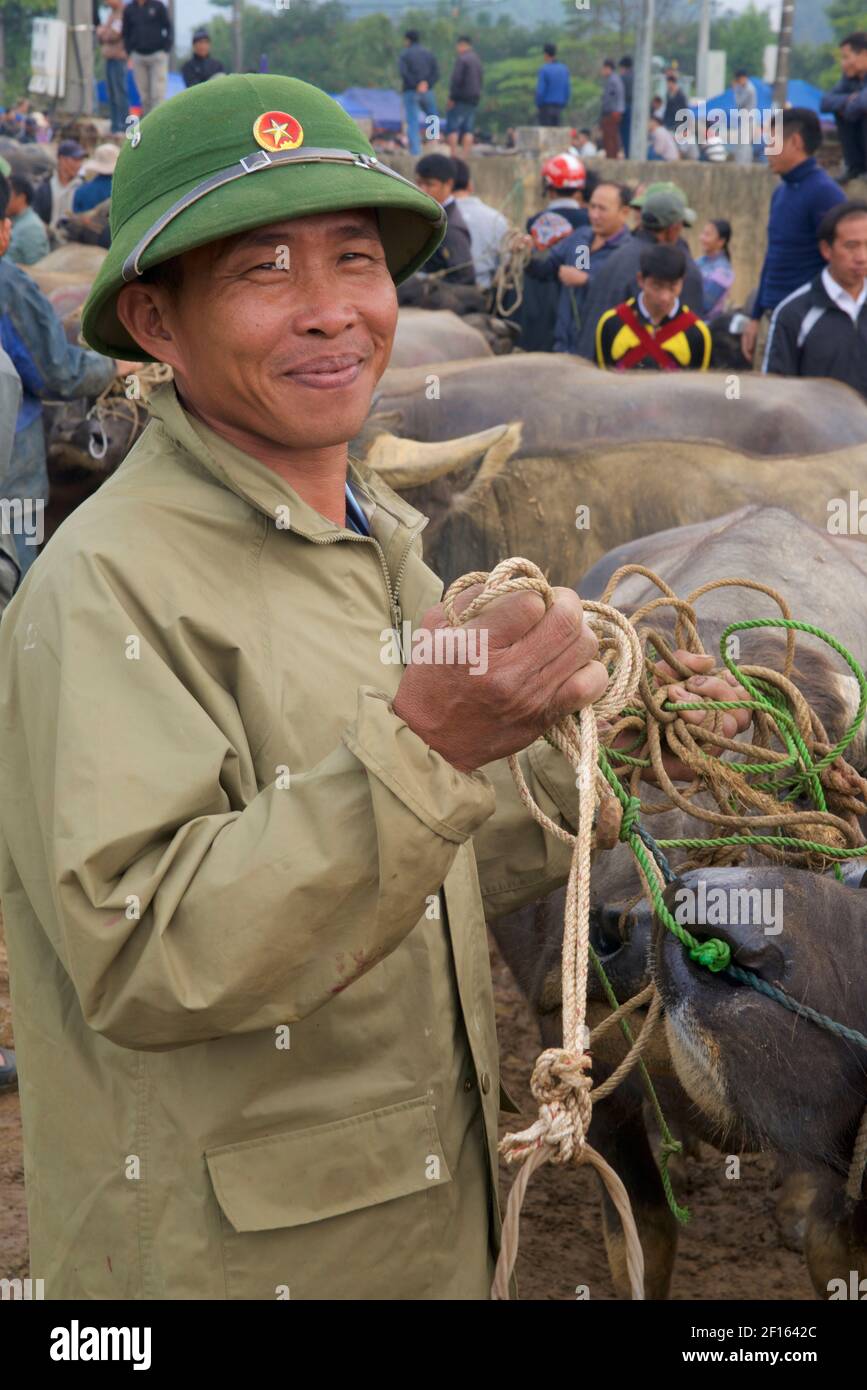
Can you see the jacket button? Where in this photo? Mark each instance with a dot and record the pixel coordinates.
(468, 1084)
(485, 1083)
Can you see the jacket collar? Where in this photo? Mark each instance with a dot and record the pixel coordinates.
(264, 489)
(800, 172)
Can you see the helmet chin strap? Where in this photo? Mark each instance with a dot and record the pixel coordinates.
(253, 164)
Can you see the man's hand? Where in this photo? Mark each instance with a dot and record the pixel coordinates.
(571, 275)
(540, 667)
(422, 87)
(748, 339)
(701, 686)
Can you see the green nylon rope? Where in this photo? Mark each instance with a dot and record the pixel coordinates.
(715, 954)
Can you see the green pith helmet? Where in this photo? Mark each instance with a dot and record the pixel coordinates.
(224, 157)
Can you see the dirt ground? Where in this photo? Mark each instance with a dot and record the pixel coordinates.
(730, 1244)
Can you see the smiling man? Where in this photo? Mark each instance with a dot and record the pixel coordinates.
(244, 860)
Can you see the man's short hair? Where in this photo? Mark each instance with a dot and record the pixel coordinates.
(436, 166)
(625, 62)
(464, 38)
(665, 263)
(4, 196)
(608, 63)
(624, 192)
(800, 120)
(550, 50)
(21, 185)
(857, 41)
(412, 35)
(841, 213)
(462, 174)
(169, 275)
(585, 131)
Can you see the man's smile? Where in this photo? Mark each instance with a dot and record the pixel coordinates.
(328, 373)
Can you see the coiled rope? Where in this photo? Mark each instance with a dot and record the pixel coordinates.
(561, 1081)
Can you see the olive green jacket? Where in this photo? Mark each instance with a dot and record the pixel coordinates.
(256, 1043)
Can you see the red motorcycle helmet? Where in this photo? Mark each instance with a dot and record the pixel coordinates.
(565, 172)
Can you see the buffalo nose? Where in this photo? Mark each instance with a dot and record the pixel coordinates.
(751, 946)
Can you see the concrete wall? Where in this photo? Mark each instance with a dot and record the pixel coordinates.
(742, 194)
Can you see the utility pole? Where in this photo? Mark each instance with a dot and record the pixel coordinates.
(641, 88)
(701, 77)
(237, 37)
(784, 53)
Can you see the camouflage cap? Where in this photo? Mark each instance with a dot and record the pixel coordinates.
(224, 157)
(674, 200)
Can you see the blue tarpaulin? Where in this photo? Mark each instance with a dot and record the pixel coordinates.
(175, 85)
(799, 94)
(383, 108)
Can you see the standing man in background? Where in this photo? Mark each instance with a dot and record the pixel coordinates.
(465, 92)
(745, 100)
(611, 112)
(627, 77)
(29, 241)
(201, 67)
(798, 207)
(675, 101)
(435, 175)
(148, 38)
(420, 72)
(110, 36)
(553, 87)
(487, 227)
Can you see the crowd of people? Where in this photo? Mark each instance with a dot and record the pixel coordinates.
(602, 270)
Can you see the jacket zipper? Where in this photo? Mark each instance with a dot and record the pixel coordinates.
(391, 590)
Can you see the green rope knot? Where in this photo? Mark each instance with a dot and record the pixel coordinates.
(631, 812)
(714, 954)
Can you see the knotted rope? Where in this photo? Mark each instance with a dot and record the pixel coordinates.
(809, 767)
(561, 1081)
(514, 257)
(113, 403)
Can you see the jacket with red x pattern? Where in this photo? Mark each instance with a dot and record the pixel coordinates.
(626, 339)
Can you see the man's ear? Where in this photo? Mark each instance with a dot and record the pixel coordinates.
(825, 248)
(144, 312)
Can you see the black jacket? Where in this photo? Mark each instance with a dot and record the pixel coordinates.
(418, 64)
(617, 282)
(455, 254)
(196, 70)
(676, 103)
(466, 80)
(810, 336)
(147, 28)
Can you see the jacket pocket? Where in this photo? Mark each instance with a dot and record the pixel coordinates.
(296, 1205)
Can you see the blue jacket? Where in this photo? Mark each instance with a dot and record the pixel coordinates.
(837, 100)
(798, 206)
(91, 193)
(33, 336)
(553, 85)
(570, 304)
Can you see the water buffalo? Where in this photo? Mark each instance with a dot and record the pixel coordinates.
(822, 577)
(434, 337)
(563, 402)
(574, 505)
(764, 1077)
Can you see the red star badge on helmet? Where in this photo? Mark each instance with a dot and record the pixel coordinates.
(277, 130)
